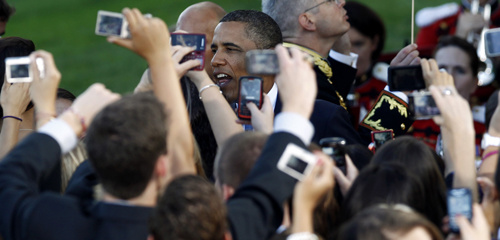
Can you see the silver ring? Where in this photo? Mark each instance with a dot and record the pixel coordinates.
(447, 92)
(442, 70)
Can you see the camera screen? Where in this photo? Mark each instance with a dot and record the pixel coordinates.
(493, 42)
(250, 90)
(297, 164)
(459, 202)
(265, 63)
(110, 25)
(20, 71)
(381, 138)
(189, 40)
(423, 106)
(406, 78)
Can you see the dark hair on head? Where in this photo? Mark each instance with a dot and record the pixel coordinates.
(124, 142)
(418, 158)
(65, 94)
(236, 157)
(388, 183)
(190, 208)
(5, 11)
(469, 49)
(386, 222)
(368, 23)
(14, 47)
(259, 27)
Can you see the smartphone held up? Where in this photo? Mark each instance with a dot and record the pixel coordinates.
(250, 90)
(196, 41)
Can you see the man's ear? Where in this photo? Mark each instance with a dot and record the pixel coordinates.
(227, 191)
(161, 166)
(307, 22)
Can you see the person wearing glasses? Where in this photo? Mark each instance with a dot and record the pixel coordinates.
(315, 27)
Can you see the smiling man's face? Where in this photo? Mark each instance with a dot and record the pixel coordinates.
(229, 46)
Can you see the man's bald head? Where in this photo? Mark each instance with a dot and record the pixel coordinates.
(202, 17)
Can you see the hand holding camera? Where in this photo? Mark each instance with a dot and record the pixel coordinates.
(149, 36)
(43, 90)
(296, 81)
(263, 118)
(14, 98)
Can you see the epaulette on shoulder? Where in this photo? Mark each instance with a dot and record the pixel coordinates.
(430, 15)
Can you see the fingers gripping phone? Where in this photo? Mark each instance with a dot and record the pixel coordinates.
(196, 41)
(250, 90)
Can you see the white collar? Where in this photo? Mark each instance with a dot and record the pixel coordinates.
(273, 95)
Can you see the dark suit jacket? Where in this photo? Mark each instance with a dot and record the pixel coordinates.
(28, 213)
(255, 210)
(342, 81)
(330, 120)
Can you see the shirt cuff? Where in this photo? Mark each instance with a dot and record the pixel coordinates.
(295, 124)
(62, 133)
(398, 94)
(351, 60)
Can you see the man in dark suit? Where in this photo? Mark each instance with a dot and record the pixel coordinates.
(244, 30)
(316, 27)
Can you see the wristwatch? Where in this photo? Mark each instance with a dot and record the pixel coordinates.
(489, 140)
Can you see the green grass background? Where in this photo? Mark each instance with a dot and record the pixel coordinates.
(66, 28)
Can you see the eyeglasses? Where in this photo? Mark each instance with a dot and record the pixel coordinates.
(321, 3)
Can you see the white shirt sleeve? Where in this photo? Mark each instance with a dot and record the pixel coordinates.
(295, 124)
(351, 60)
(62, 133)
(398, 94)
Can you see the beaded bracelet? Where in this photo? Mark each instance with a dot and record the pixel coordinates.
(208, 86)
(17, 118)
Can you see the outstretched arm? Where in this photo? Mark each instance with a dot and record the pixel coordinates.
(150, 40)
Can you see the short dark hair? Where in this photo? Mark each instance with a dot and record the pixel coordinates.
(190, 208)
(368, 23)
(237, 156)
(376, 222)
(5, 11)
(260, 27)
(65, 94)
(388, 183)
(124, 142)
(469, 49)
(14, 47)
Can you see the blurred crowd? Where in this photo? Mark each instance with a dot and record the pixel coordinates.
(326, 149)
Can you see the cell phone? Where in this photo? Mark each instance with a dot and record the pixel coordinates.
(492, 42)
(334, 147)
(406, 78)
(381, 137)
(296, 161)
(262, 62)
(250, 90)
(197, 41)
(459, 202)
(111, 24)
(17, 69)
(422, 105)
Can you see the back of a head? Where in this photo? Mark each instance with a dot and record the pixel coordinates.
(285, 13)
(259, 27)
(237, 156)
(124, 142)
(417, 157)
(368, 23)
(388, 183)
(386, 223)
(190, 208)
(5, 11)
(14, 47)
